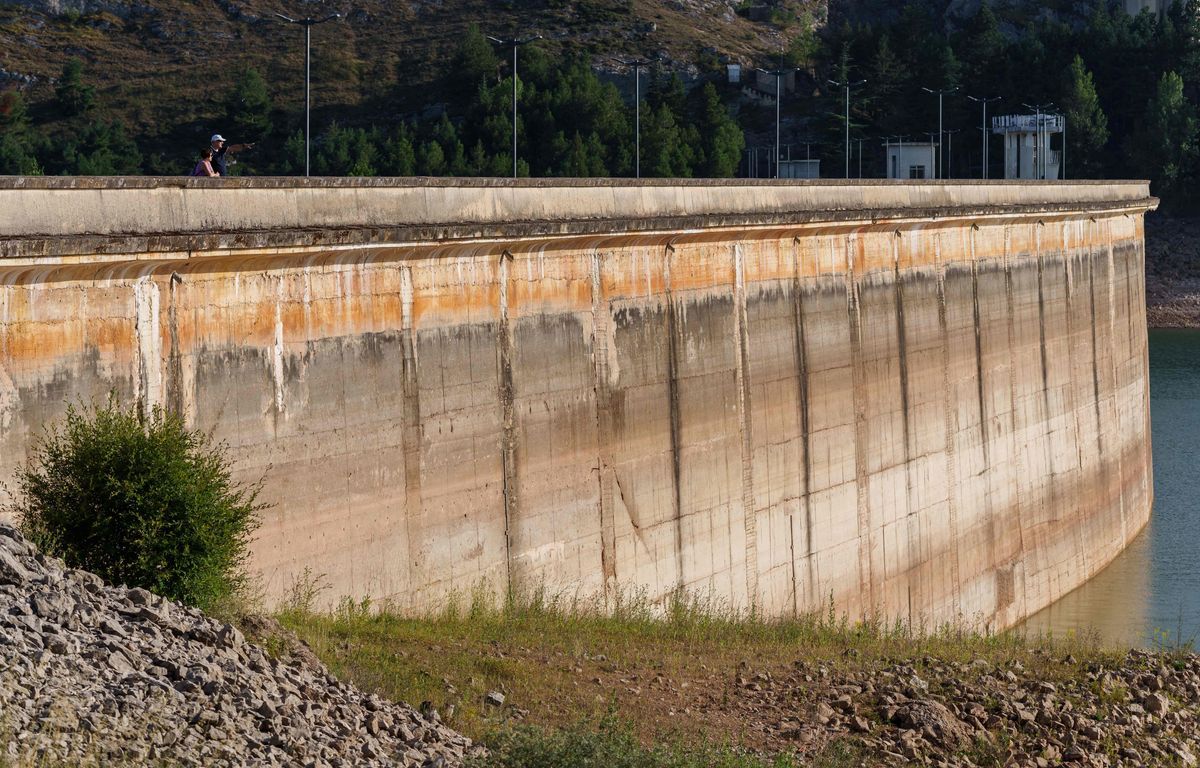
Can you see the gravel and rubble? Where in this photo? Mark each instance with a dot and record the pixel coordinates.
(1139, 709)
(98, 674)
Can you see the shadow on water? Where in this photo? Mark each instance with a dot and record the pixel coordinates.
(1150, 594)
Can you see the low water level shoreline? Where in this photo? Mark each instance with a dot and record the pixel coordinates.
(1149, 595)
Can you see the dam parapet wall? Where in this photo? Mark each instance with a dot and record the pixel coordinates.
(925, 401)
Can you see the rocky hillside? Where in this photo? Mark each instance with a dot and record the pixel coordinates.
(92, 674)
(155, 61)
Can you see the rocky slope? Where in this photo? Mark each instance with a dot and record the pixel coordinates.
(1172, 272)
(96, 674)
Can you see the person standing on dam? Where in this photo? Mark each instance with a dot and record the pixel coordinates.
(222, 152)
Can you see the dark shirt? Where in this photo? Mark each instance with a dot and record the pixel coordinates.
(220, 161)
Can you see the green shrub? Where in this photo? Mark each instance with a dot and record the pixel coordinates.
(611, 743)
(139, 500)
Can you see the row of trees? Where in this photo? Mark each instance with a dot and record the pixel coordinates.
(1128, 86)
(570, 123)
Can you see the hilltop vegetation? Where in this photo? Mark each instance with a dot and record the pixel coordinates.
(416, 88)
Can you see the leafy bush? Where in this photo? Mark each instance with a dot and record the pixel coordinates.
(139, 500)
(610, 744)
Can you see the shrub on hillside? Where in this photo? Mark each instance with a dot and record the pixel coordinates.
(140, 500)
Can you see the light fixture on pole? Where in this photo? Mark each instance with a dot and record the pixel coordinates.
(514, 43)
(984, 101)
(847, 85)
(778, 74)
(941, 93)
(637, 65)
(308, 24)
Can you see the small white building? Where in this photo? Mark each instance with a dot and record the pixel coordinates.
(800, 169)
(734, 73)
(916, 160)
(1027, 152)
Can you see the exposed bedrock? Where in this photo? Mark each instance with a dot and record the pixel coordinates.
(922, 401)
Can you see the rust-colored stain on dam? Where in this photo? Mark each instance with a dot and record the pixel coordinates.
(919, 401)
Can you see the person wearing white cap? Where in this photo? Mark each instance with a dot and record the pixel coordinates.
(222, 151)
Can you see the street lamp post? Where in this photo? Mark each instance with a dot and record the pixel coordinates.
(514, 43)
(935, 149)
(308, 24)
(941, 92)
(847, 85)
(778, 73)
(637, 65)
(984, 101)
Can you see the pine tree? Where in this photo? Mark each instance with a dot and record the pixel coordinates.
(248, 107)
(1087, 126)
(721, 137)
(71, 95)
(1166, 146)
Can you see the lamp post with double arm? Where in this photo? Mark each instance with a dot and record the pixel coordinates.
(514, 43)
(941, 93)
(637, 65)
(308, 24)
(983, 101)
(847, 85)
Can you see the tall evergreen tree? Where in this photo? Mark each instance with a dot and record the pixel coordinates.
(248, 107)
(1087, 126)
(720, 135)
(1166, 146)
(72, 96)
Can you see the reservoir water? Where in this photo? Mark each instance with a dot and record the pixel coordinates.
(1151, 593)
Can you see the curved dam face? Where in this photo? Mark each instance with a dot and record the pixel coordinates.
(925, 401)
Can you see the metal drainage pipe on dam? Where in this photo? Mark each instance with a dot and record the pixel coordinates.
(925, 401)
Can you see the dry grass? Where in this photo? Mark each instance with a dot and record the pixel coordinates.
(670, 673)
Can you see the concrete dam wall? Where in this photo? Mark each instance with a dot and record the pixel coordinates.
(924, 401)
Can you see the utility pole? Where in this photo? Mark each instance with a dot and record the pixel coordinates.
(935, 149)
(847, 85)
(308, 24)
(637, 65)
(941, 92)
(514, 43)
(950, 150)
(860, 158)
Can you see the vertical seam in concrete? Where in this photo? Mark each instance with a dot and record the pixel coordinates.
(1091, 262)
(410, 426)
(745, 426)
(806, 442)
(861, 434)
(1112, 361)
(1144, 339)
(148, 341)
(949, 425)
(508, 440)
(602, 394)
(1017, 451)
(911, 516)
(175, 361)
(673, 411)
(985, 432)
(277, 354)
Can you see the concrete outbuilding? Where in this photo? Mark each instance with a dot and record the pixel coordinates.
(1027, 145)
(917, 160)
